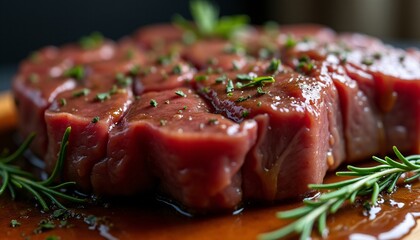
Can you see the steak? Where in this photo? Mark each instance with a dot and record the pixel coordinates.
(293, 113)
(91, 113)
(194, 155)
(213, 123)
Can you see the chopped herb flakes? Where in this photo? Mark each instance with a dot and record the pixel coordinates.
(377, 55)
(244, 77)
(401, 58)
(33, 78)
(82, 92)
(177, 69)
(234, 49)
(229, 86)
(129, 54)
(212, 61)
(34, 57)
(44, 225)
(205, 90)
(122, 80)
(209, 70)
(180, 93)
(259, 104)
(135, 70)
(213, 121)
(367, 61)
(221, 79)
(245, 113)
(102, 96)
(259, 81)
(153, 103)
(61, 212)
(264, 53)
(235, 65)
(63, 102)
(52, 237)
(92, 41)
(14, 223)
(305, 65)
(200, 78)
(164, 60)
(95, 119)
(260, 90)
(76, 72)
(274, 66)
(241, 99)
(290, 42)
(91, 220)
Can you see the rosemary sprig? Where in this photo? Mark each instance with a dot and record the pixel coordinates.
(368, 181)
(13, 178)
(207, 21)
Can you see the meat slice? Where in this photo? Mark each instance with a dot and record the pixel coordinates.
(305, 32)
(299, 126)
(158, 37)
(127, 59)
(362, 122)
(195, 155)
(34, 91)
(167, 74)
(91, 113)
(394, 86)
(215, 53)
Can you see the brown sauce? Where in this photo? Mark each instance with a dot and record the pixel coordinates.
(396, 217)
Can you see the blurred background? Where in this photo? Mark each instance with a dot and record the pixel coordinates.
(28, 25)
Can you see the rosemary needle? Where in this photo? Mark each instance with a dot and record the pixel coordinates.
(368, 181)
(13, 178)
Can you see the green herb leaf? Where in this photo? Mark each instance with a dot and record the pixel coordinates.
(102, 96)
(290, 42)
(274, 66)
(229, 86)
(14, 223)
(92, 41)
(177, 69)
(77, 72)
(208, 23)
(200, 78)
(241, 99)
(33, 78)
(44, 225)
(259, 81)
(153, 103)
(305, 65)
(180, 93)
(244, 77)
(123, 81)
(95, 119)
(63, 102)
(82, 92)
(221, 79)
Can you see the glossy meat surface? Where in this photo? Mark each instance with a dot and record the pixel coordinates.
(213, 123)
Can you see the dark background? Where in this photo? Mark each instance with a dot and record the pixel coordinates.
(28, 25)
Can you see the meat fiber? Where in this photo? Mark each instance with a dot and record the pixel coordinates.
(213, 123)
(195, 156)
(299, 126)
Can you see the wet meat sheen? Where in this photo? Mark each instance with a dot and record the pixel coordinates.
(214, 123)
